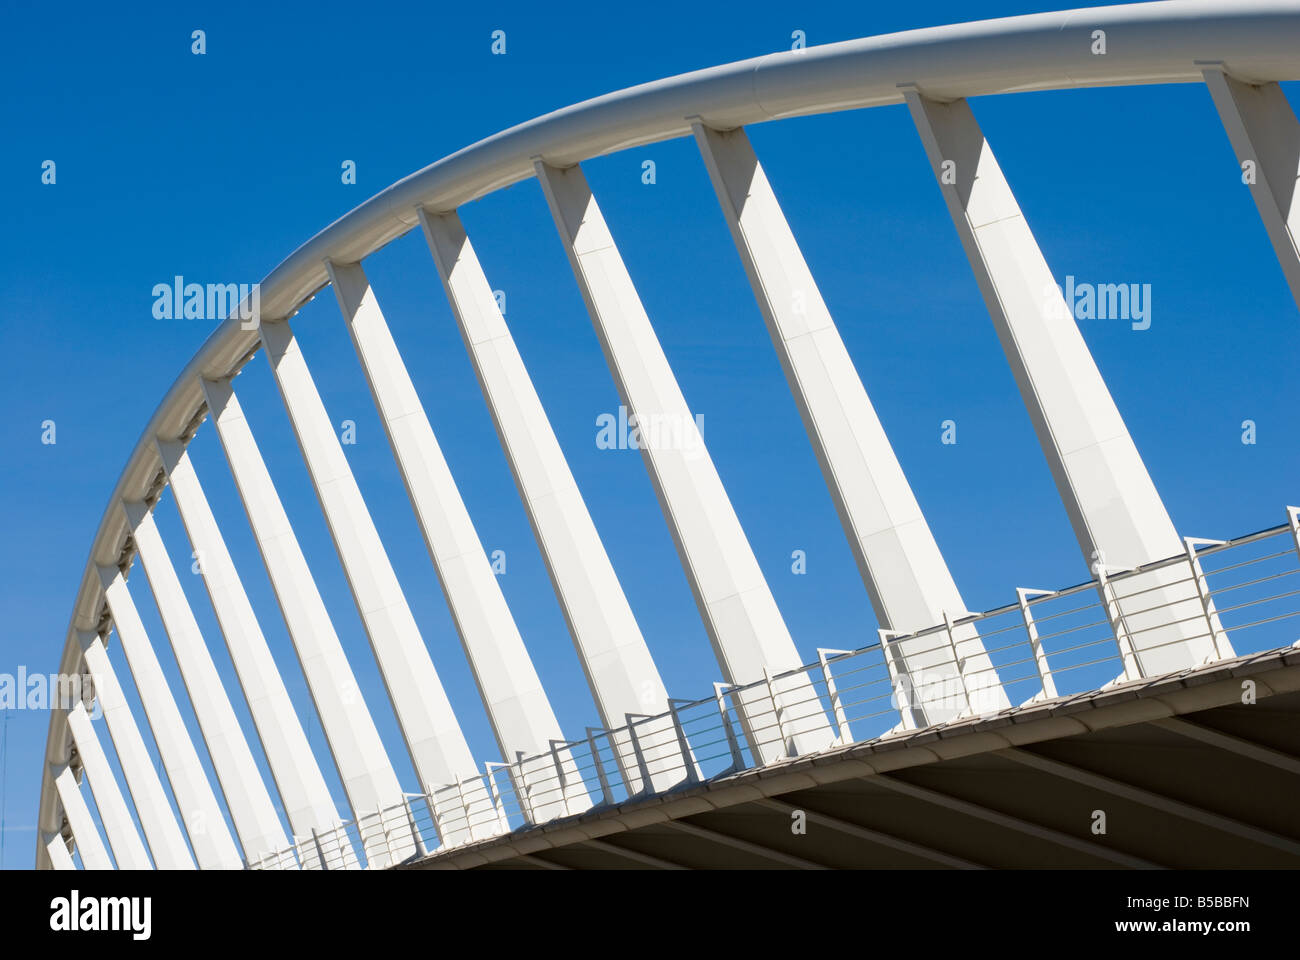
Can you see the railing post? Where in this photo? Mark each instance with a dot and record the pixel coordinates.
(682, 743)
(559, 772)
(646, 783)
(1203, 588)
(1293, 521)
(737, 758)
(383, 831)
(296, 846)
(464, 807)
(841, 718)
(523, 789)
(420, 847)
(436, 816)
(1036, 645)
(1128, 656)
(340, 834)
(607, 795)
(320, 852)
(776, 709)
(498, 801)
(956, 660)
(896, 681)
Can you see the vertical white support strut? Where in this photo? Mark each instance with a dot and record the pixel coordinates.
(161, 831)
(1117, 515)
(298, 777)
(57, 850)
(620, 671)
(94, 855)
(521, 715)
(1266, 138)
(363, 764)
(906, 577)
(433, 736)
(213, 846)
(740, 615)
(128, 848)
(249, 803)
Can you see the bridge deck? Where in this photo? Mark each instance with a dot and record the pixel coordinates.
(1185, 773)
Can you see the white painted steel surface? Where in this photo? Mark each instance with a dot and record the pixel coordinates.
(1240, 50)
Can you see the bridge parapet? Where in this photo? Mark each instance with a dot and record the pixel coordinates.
(1047, 645)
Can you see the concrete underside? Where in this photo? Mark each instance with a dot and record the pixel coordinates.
(1186, 774)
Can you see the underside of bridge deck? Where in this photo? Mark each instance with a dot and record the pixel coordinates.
(1194, 770)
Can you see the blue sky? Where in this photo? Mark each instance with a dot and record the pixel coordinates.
(216, 167)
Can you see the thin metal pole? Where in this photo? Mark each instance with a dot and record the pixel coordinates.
(559, 772)
(956, 660)
(776, 710)
(383, 831)
(420, 846)
(737, 758)
(637, 752)
(841, 718)
(683, 744)
(896, 681)
(1203, 589)
(464, 806)
(320, 852)
(1293, 521)
(523, 789)
(498, 799)
(1036, 645)
(606, 794)
(1128, 657)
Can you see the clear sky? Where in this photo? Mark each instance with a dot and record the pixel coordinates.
(216, 167)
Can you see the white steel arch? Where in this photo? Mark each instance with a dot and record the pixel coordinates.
(1241, 51)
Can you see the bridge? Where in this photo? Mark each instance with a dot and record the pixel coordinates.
(954, 739)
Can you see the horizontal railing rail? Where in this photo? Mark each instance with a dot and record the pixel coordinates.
(1048, 644)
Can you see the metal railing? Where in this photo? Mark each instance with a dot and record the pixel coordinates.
(1047, 644)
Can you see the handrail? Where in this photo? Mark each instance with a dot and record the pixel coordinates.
(844, 702)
